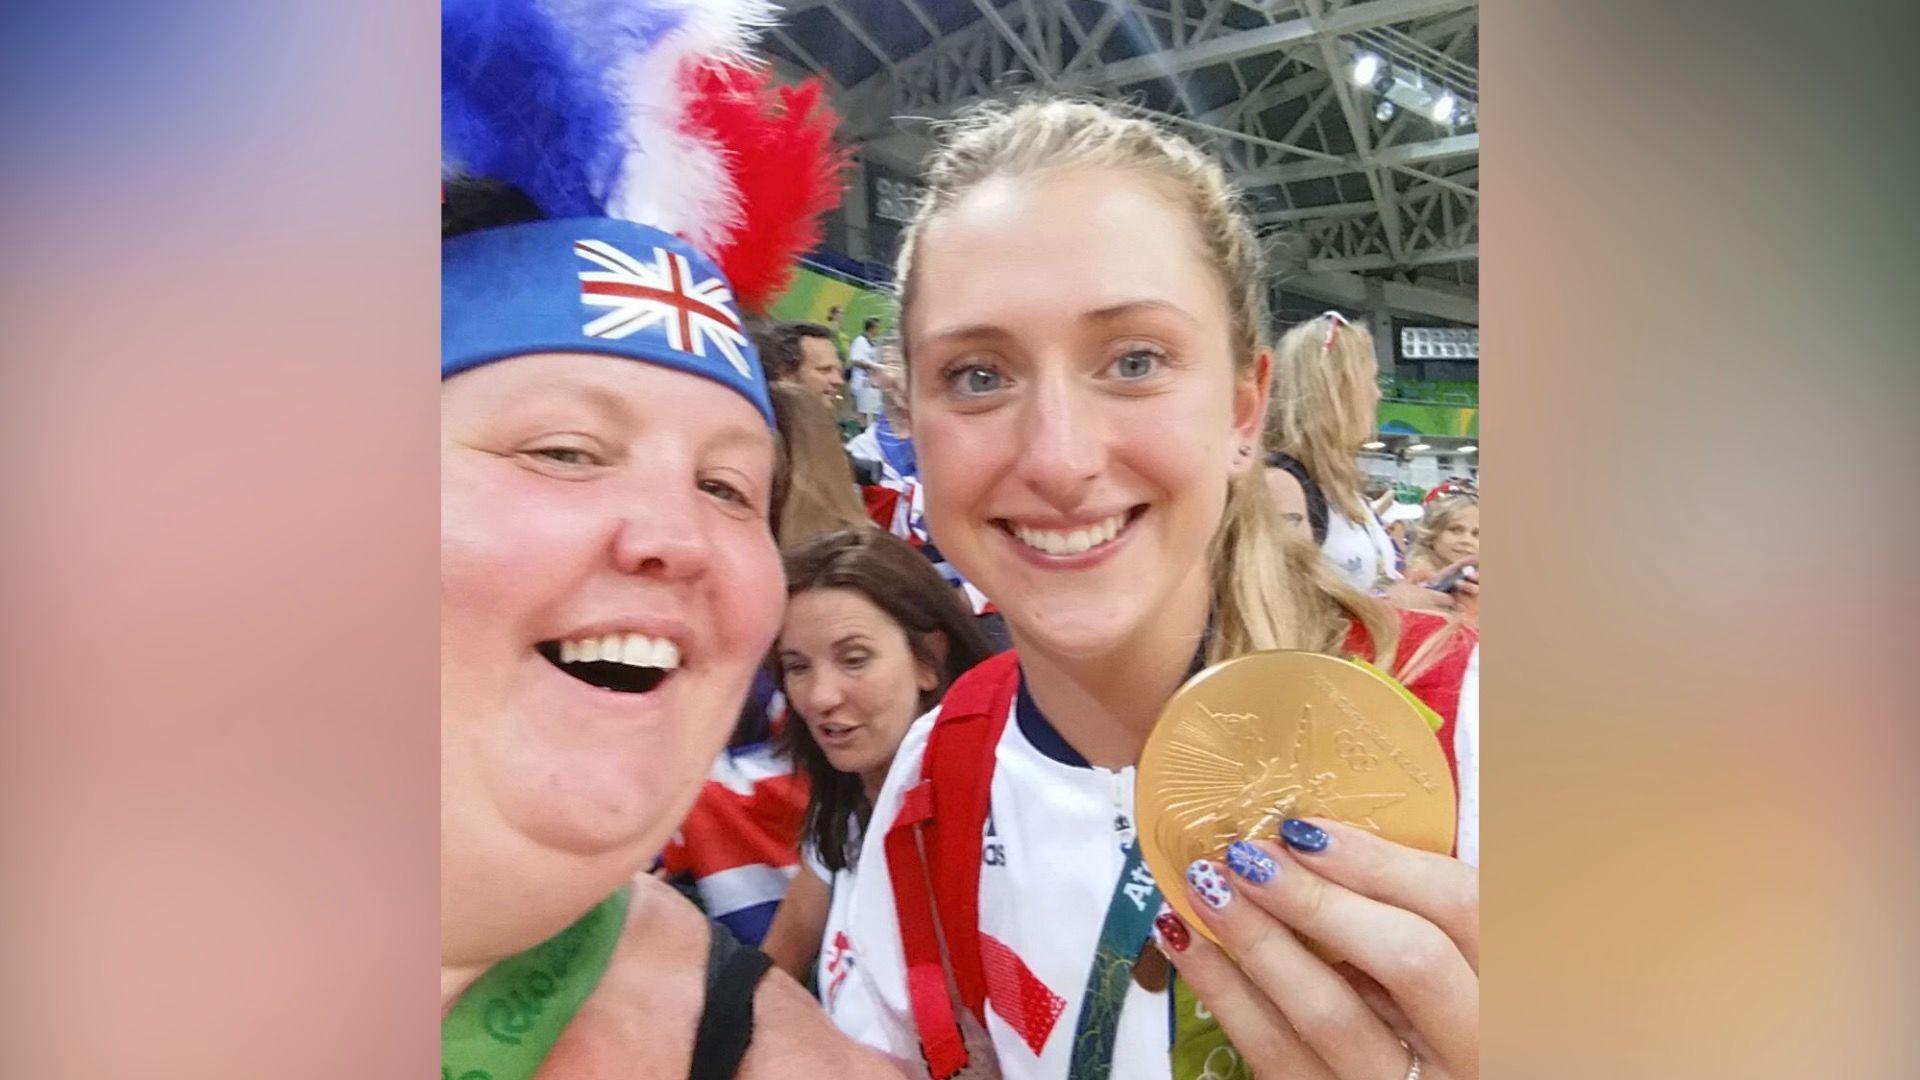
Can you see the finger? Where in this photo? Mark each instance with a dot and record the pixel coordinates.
(1439, 888)
(1409, 955)
(1256, 1029)
(1322, 1007)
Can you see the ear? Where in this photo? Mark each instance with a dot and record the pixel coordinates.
(927, 676)
(1250, 393)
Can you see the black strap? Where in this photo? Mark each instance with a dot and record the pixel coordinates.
(726, 1020)
(1316, 502)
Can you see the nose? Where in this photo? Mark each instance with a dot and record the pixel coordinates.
(817, 696)
(658, 531)
(1065, 441)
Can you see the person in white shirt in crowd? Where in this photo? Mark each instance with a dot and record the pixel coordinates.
(863, 359)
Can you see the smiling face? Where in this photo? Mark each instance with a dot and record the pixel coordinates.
(849, 671)
(1460, 538)
(1076, 409)
(819, 370)
(608, 583)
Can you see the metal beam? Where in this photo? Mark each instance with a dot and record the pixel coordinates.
(1227, 47)
(1381, 186)
(1314, 213)
(1392, 156)
(1463, 253)
(992, 14)
(1342, 287)
(853, 27)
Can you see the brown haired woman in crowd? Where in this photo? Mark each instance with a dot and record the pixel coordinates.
(872, 638)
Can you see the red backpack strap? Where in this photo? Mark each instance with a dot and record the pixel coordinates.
(940, 822)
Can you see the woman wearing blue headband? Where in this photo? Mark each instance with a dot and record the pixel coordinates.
(609, 580)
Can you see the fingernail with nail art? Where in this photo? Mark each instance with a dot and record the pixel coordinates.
(1210, 883)
(1172, 931)
(1303, 836)
(1251, 863)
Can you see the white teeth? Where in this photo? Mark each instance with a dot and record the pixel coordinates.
(636, 650)
(1071, 542)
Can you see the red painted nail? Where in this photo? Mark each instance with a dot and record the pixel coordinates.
(1172, 931)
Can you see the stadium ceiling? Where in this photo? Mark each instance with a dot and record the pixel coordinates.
(1358, 203)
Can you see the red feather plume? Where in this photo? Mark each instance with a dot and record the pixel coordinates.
(777, 142)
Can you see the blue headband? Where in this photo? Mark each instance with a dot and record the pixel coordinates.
(598, 285)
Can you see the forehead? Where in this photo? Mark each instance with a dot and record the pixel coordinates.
(828, 614)
(614, 389)
(1072, 239)
(818, 350)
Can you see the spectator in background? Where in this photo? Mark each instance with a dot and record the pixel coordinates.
(1447, 540)
(819, 494)
(802, 354)
(871, 640)
(864, 360)
(1325, 395)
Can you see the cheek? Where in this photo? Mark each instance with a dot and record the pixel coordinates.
(504, 551)
(752, 592)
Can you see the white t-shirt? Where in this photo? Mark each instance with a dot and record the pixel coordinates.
(835, 965)
(866, 396)
(1360, 550)
(1051, 855)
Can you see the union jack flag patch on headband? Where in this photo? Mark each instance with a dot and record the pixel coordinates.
(696, 314)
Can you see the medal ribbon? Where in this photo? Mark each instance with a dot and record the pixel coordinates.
(1136, 900)
(506, 1023)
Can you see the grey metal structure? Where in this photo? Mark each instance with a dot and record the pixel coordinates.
(1365, 200)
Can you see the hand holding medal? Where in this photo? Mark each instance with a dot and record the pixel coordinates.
(1242, 757)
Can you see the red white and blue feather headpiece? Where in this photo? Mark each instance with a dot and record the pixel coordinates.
(682, 183)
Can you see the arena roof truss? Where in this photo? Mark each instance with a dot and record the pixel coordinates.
(1359, 202)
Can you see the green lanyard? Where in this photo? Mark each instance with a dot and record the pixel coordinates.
(506, 1023)
(1200, 1049)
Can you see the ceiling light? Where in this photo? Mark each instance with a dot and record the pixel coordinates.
(1365, 67)
(1374, 445)
(1443, 108)
(1384, 111)
(1469, 449)
(1417, 447)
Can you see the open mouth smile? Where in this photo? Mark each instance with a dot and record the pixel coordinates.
(1075, 541)
(621, 663)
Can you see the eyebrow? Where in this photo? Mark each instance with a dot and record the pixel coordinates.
(1136, 307)
(990, 331)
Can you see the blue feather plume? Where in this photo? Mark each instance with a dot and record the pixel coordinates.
(525, 102)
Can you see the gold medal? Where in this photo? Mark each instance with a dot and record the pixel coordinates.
(1273, 735)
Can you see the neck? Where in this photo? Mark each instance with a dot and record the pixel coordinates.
(1105, 706)
(872, 780)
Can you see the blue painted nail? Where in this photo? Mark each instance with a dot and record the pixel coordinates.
(1207, 880)
(1302, 836)
(1251, 863)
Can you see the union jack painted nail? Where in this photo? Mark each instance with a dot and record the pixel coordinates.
(1210, 883)
(1251, 863)
(1172, 931)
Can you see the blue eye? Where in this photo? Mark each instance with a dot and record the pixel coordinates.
(1137, 364)
(974, 379)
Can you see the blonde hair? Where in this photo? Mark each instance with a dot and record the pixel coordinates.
(817, 494)
(1268, 589)
(1319, 405)
(1433, 523)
